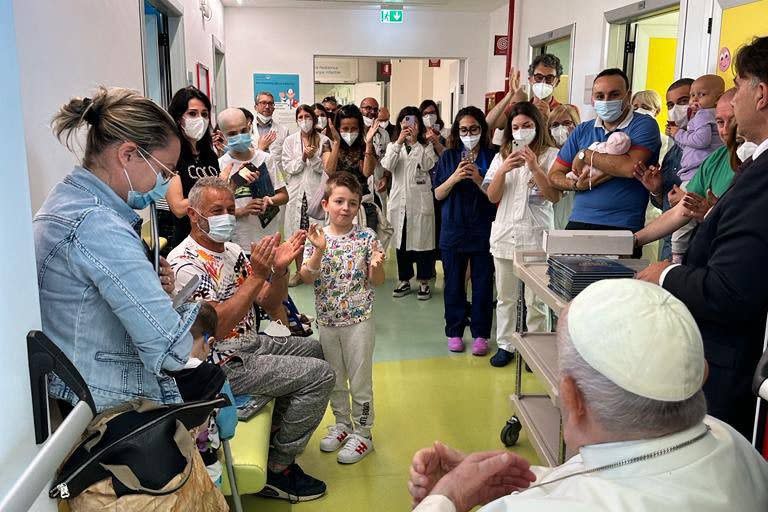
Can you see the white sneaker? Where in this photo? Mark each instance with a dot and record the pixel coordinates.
(355, 449)
(336, 436)
(276, 329)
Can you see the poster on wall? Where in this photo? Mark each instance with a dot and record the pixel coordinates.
(285, 89)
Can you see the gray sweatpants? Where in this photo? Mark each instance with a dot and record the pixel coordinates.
(291, 371)
(350, 351)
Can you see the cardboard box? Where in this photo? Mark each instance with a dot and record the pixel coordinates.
(618, 243)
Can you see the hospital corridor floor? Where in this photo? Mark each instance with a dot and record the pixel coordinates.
(422, 393)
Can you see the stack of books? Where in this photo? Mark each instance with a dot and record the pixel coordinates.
(569, 275)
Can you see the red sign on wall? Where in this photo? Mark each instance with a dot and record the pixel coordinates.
(385, 68)
(434, 63)
(500, 45)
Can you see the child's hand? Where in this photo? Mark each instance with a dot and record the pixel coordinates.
(672, 130)
(377, 261)
(316, 237)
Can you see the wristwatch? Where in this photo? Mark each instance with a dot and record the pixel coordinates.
(582, 155)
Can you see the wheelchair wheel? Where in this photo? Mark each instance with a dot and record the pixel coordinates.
(511, 431)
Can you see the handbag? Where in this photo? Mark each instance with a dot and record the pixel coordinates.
(143, 453)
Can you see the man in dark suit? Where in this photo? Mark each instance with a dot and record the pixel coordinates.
(724, 279)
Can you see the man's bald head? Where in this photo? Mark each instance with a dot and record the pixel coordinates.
(230, 118)
(370, 108)
(724, 114)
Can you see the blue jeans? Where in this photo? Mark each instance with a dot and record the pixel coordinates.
(455, 266)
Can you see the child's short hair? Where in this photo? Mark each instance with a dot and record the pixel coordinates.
(206, 322)
(342, 179)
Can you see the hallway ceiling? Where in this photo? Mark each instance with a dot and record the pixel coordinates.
(452, 5)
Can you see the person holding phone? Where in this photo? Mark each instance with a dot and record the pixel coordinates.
(258, 189)
(410, 209)
(517, 182)
(466, 229)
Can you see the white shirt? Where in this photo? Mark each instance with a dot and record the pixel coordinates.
(523, 212)
(248, 229)
(301, 177)
(719, 472)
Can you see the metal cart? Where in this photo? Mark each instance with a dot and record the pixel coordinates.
(539, 413)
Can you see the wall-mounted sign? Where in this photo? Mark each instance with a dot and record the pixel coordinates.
(391, 16)
(284, 88)
(500, 45)
(434, 63)
(330, 70)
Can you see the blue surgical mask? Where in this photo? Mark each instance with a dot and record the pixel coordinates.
(140, 200)
(220, 227)
(609, 111)
(239, 143)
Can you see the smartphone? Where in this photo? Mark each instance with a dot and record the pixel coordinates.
(410, 120)
(515, 146)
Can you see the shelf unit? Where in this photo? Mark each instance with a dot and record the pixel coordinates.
(539, 414)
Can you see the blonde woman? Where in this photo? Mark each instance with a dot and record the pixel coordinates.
(562, 121)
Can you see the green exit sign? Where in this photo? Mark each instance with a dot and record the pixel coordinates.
(391, 16)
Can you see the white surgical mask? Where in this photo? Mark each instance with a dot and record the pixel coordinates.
(367, 121)
(560, 134)
(194, 127)
(349, 137)
(542, 90)
(746, 150)
(644, 111)
(322, 122)
(305, 125)
(430, 120)
(524, 135)
(263, 119)
(470, 141)
(383, 125)
(679, 115)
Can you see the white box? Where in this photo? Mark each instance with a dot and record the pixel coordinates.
(560, 241)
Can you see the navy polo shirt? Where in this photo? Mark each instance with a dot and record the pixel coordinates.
(619, 202)
(467, 213)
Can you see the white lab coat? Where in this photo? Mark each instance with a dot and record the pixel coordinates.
(523, 212)
(300, 177)
(411, 195)
(720, 472)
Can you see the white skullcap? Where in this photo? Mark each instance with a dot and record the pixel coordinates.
(640, 337)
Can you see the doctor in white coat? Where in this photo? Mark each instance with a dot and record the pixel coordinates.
(304, 156)
(631, 370)
(410, 209)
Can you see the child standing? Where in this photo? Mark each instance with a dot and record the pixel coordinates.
(698, 140)
(345, 261)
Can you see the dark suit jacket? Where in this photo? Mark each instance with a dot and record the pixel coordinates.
(724, 283)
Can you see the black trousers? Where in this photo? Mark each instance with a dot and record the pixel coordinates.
(578, 226)
(424, 260)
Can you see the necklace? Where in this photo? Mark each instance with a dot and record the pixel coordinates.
(627, 462)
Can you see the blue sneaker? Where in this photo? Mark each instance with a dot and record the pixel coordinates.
(502, 358)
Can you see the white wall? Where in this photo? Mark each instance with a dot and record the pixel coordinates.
(498, 25)
(19, 309)
(64, 53)
(285, 40)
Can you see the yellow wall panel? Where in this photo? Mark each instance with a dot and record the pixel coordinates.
(738, 26)
(661, 70)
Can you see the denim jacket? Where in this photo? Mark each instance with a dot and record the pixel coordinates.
(100, 298)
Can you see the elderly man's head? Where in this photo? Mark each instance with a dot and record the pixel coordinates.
(724, 114)
(750, 103)
(631, 364)
(211, 211)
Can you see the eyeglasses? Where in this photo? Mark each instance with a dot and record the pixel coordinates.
(166, 173)
(472, 130)
(266, 103)
(550, 79)
(369, 109)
